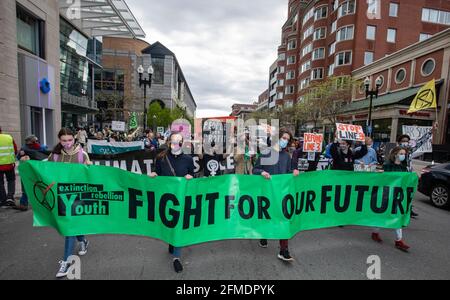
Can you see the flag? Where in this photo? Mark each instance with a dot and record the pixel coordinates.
(133, 121)
(425, 98)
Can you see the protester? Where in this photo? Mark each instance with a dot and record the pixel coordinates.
(298, 156)
(150, 142)
(8, 152)
(370, 159)
(69, 152)
(31, 150)
(82, 137)
(212, 161)
(404, 142)
(173, 162)
(344, 157)
(395, 163)
(281, 166)
(99, 136)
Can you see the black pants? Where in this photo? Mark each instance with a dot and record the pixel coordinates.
(11, 179)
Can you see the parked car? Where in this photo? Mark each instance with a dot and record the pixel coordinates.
(435, 183)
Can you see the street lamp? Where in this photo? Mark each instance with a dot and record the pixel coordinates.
(144, 82)
(371, 94)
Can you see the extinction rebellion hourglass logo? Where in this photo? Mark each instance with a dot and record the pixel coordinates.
(76, 199)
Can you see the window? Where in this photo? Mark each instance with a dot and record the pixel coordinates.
(281, 70)
(290, 89)
(393, 9)
(306, 66)
(308, 15)
(307, 49)
(320, 33)
(290, 75)
(289, 104)
(291, 60)
(317, 74)
(381, 81)
(335, 4)
(321, 13)
(373, 7)
(345, 33)
(280, 96)
(428, 67)
(333, 26)
(331, 70)
(305, 83)
(435, 16)
(292, 45)
(280, 82)
(391, 35)
(158, 67)
(424, 36)
(371, 32)
(343, 58)
(368, 58)
(400, 76)
(346, 8)
(308, 32)
(282, 57)
(30, 33)
(318, 53)
(332, 49)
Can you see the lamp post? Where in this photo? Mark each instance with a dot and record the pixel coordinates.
(371, 93)
(144, 82)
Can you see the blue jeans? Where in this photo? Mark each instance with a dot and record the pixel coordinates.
(24, 198)
(70, 245)
(177, 252)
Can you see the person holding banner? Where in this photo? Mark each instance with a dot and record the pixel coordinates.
(395, 163)
(69, 152)
(344, 157)
(173, 162)
(281, 166)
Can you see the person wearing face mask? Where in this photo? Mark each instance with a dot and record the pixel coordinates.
(281, 166)
(68, 152)
(395, 163)
(370, 158)
(404, 142)
(173, 162)
(344, 157)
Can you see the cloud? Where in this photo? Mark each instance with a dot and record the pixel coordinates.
(225, 48)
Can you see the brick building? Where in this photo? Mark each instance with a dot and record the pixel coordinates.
(323, 38)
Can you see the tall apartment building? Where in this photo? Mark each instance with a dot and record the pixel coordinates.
(323, 38)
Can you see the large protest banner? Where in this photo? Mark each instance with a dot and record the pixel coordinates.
(77, 199)
(107, 148)
(143, 162)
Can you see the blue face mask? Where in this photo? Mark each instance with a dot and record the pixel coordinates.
(402, 158)
(283, 143)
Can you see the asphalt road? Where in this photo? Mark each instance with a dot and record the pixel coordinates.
(338, 253)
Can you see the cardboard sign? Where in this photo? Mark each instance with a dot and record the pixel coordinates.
(350, 132)
(312, 142)
(118, 126)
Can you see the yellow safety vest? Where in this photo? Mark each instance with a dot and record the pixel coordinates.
(7, 156)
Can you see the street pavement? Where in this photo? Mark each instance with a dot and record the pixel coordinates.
(338, 253)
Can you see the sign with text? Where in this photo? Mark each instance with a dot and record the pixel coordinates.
(350, 132)
(312, 142)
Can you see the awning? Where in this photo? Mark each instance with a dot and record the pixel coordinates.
(402, 97)
(102, 17)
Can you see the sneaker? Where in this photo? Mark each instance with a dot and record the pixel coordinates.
(376, 237)
(263, 243)
(10, 203)
(413, 214)
(401, 246)
(83, 248)
(63, 269)
(178, 267)
(285, 256)
(171, 249)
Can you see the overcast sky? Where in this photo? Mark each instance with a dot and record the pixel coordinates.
(225, 47)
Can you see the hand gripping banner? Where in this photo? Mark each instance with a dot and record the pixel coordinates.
(81, 200)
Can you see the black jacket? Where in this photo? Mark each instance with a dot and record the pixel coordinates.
(345, 162)
(281, 166)
(182, 165)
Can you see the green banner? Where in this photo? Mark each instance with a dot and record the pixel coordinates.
(77, 199)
